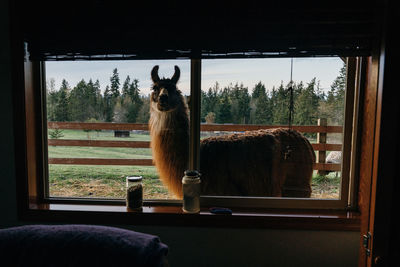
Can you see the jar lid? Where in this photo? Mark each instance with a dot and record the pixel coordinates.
(134, 178)
(191, 173)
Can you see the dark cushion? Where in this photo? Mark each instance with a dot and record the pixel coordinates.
(79, 245)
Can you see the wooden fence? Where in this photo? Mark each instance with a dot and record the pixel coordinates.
(322, 129)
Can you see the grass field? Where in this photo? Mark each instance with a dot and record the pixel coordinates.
(101, 181)
(109, 181)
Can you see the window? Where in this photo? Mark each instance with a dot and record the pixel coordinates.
(91, 150)
(255, 94)
(330, 110)
(111, 99)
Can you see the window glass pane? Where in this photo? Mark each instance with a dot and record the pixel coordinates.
(98, 113)
(240, 95)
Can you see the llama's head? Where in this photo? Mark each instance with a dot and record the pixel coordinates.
(165, 96)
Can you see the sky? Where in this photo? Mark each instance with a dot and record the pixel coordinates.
(270, 71)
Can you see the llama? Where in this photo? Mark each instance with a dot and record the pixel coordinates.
(274, 163)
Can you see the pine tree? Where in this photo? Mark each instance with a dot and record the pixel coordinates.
(224, 114)
(90, 94)
(125, 87)
(108, 106)
(134, 91)
(338, 88)
(61, 112)
(78, 102)
(280, 108)
(56, 133)
(258, 90)
(99, 101)
(131, 102)
(51, 99)
(210, 100)
(203, 111)
(240, 100)
(114, 88)
(307, 104)
(263, 112)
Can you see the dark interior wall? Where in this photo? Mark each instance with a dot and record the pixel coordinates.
(257, 247)
(8, 205)
(188, 246)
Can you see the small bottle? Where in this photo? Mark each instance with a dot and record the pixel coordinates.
(134, 192)
(191, 192)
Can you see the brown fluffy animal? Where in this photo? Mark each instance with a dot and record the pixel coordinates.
(273, 163)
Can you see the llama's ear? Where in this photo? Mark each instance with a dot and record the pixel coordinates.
(176, 76)
(154, 74)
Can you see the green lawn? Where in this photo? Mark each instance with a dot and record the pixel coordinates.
(109, 181)
(101, 135)
(99, 152)
(101, 181)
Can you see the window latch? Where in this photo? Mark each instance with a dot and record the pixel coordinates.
(366, 242)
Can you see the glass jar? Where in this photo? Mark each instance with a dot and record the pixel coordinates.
(134, 192)
(191, 192)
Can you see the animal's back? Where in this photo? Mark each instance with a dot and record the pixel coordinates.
(256, 163)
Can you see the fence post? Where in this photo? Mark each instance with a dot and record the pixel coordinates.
(321, 139)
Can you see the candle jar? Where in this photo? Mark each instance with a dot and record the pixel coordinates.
(134, 192)
(191, 192)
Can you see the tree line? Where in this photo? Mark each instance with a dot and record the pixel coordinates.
(85, 102)
(234, 103)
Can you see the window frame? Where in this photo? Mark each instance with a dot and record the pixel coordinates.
(345, 201)
(33, 203)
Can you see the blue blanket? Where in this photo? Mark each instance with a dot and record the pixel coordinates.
(79, 245)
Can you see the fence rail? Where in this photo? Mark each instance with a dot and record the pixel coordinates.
(203, 127)
(320, 165)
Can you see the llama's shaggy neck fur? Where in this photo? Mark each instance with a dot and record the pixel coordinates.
(170, 144)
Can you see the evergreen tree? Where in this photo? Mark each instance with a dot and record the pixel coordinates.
(240, 101)
(258, 90)
(224, 109)
(108, 106)
(78, 102)
(280, 108)
(263, 112)
(307, 104)
(114, 88)
(125, 87)
(61, 112)
(134, 91)
(210, 101)
(90, 95)
(98, 101)
(132, 102)
(56, 133)
(336, 97)
(203, 111)
(51, 99)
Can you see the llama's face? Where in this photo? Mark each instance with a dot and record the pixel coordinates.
(165, 96)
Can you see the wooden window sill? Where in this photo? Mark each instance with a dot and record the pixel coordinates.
(174, 216)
